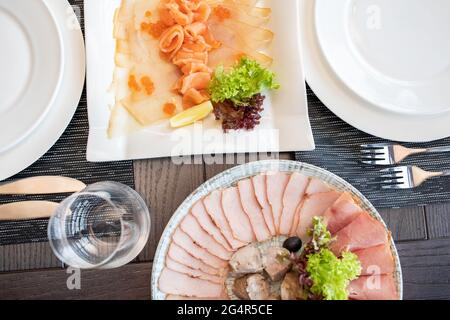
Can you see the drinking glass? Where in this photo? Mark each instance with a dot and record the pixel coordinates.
(104, 226)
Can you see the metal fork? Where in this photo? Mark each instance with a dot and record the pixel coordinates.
(407, 177)
(389, 153)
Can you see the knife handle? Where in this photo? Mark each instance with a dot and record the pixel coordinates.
(42, 185)
(27, 210)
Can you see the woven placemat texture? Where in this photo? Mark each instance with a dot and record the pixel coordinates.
(337, 150)
(66, 158)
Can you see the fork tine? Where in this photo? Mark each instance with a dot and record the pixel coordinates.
(372, 162)
(375, 145)
(393, 170)
(391, 176)
(393, 181)
(372, 157)
(395, 186)
(372, 151)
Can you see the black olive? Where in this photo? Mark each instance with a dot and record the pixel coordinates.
(293, 244)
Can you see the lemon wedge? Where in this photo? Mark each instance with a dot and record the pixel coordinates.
(191, 115)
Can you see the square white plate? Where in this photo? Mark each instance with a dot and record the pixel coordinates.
(284, 127)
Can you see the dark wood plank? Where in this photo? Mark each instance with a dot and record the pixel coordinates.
(27, 256)
(164, 185)
(438, 220)
(426, 268)
(406, 223)
(129, 282)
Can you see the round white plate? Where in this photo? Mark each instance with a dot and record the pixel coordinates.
(31, 64)
(30, 149)
(354, 99)
(394, 58)
(231, 177)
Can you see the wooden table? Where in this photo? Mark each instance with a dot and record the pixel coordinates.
(31, 271)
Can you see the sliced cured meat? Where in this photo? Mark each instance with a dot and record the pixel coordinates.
(253, 210)
(194, 273)
(363, 232)
(292, 198)
(341, 213)
(193, 229)
(178, 254)
(199, 212)
(259, 184)
(314, 205)
(276, 183)
(172, 282)
(184, 241)
(176, 297)
(317, 186)
(213, 205)
(236, 217)
(376, 260)
(378, 287)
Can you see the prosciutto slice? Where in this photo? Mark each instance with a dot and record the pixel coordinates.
(276, 183)
(363, 232)
(376, 260)
(172, 282)
(184, 241)
(341, 213)
(213, 205)
(199, 212)
(293, 195)
(193, 229)
(259, 184)
(178, 267)
(236, 216)
(253, 210)
(378, 287)
(314, 205)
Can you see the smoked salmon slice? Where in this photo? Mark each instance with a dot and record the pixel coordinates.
(314, 205)
(193, 229)
(184, 241)
(293, 195)
(172, 282)
(276, 183)
(376, 260)
(199, 212)
(236, 216)
(363, 232)
(259, 185)
(213, 205)
(341, 213)
(377, 287)
(253, 210)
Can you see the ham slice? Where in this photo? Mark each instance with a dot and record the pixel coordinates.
(341, 213)
(193, 229)
(184, 241)
(199, 212)
(276, 183)
(236, 217)
(194, 273)
(177, 297)
(253, 210)
(314, 186)
(213, 206)
(376, 260)
(363, 232)
(378, 287)
(314, 205)
(292, 198)
(259, 184)
(178, 254)
(172, 282)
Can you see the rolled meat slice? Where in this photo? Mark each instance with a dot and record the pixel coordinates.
(259, 184)
(193, 229)
(194, 273)
(199, 212)
(341, 213)
(213, 205)
(236, 216)
(293, 195)
(363, 232)
(376, 260)
(378, 287)
(276, 183)
(176, 283)
(253, 210)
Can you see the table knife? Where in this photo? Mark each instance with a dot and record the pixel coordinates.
(41, 185)
(27, 210)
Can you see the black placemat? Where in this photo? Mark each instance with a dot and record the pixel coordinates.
(66, 158)
(337, 150)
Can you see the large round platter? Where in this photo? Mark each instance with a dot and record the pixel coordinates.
(231, 177)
